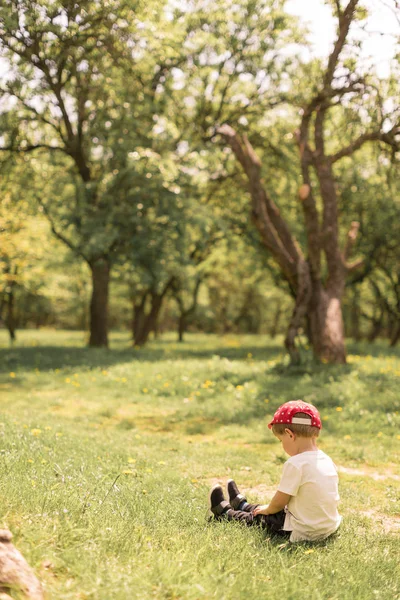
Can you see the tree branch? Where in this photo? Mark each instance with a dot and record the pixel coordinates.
(345, 19)
(60, 235)
(267, 218)
(32, 147)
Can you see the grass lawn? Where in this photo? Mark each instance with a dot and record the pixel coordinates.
(107, 457)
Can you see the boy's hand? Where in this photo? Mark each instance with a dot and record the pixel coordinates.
(261, 510)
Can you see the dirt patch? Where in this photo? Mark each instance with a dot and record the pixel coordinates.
(381, 476)
(388, 524)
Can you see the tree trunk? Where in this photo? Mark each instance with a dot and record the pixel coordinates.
(138, 316)
(181, 327)
(355, 315)
(395, 337)
(150, 320)
(99, 303)
(326, 322)
(375, 330)
(10, 319)
(275, 324)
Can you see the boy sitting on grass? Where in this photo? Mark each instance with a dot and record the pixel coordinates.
(305, 505)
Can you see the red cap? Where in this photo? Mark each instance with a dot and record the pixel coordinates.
(287, 414)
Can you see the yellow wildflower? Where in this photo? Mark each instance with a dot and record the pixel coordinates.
(339, 409)
(36, 432)
(207, 384)
(12, 375)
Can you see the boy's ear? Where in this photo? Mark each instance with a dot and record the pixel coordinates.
(290, 433)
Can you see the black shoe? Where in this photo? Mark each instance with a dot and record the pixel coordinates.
(235, 497)
(218, 504)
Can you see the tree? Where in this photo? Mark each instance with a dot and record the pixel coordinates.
(318, 277)
(21, 249)
(69, 106)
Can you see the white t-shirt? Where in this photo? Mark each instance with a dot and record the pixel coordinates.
(312, 481)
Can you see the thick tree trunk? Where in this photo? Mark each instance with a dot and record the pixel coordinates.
(326, 322)
(99, 303)
(322, 310)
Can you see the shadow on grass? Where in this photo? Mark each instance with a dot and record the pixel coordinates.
(47, 358)
(376, 349)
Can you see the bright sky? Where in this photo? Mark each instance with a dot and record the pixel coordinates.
(377, 48)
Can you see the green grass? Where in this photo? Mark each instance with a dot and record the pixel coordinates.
(107, 457)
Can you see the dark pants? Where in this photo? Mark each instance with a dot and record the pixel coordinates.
(272, 523)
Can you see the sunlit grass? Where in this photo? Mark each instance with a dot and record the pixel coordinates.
(107, 457)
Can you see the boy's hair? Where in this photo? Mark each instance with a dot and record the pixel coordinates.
(307, 431)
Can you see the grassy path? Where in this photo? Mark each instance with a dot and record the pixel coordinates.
(107, 458)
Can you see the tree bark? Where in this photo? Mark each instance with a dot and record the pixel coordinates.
(99, 303)
(326, 322)
(138, 316)
(355, 314)
(185, 313)
(395, 337)
(276, 321)
(181, 327)
(149, 322)
(10, 318)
